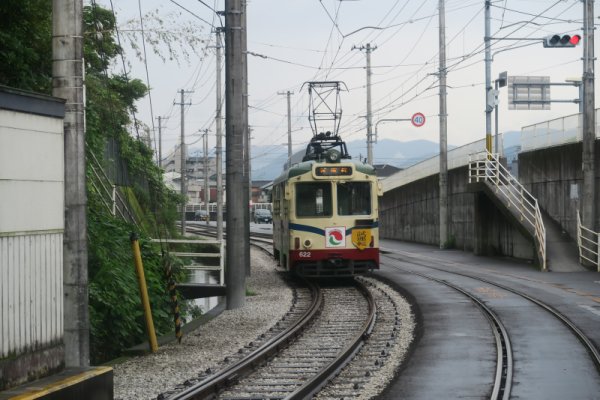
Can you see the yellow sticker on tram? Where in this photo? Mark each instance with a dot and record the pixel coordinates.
(361, 238)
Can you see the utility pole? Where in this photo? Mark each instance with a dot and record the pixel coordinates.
(183, 159)
(160, 141)
(488, 78)
(368, 49)
(443, 131)
(218, 123)
(206, 187)
(289, 118)
(235, 272)
(247, 165)
(589, 120)
(67, 75)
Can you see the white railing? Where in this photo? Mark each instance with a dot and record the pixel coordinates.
(220, 255)
(555, 132)
(485, 167)
(109, 195)
(588, 243)
(457, 158)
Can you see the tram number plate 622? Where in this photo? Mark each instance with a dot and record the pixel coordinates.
(304, 254)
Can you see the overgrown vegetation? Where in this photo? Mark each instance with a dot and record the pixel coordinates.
(115, 313)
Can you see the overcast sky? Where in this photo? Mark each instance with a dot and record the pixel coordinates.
(304, 40)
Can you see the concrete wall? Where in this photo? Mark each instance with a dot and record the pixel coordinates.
(31, 236)
(554, 176)
(411, 213)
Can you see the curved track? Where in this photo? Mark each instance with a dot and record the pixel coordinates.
(505, 367)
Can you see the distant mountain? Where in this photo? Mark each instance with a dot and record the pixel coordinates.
(268, 161)
(387, 151)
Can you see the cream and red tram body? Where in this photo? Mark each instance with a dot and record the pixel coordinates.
(325, 213)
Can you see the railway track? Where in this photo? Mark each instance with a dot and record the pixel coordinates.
(504, 369)
(313, 342)
(335, 343)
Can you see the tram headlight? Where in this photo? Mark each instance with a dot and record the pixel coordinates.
(307, 243)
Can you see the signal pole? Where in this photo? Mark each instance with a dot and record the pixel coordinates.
(368, 49)
(235, 273)
(183, 158)
(289, 118)
(589, 120)
(443, 131)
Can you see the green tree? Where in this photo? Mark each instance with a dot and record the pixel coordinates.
(26, 44)
(26, 63)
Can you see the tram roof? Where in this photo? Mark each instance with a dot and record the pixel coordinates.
(306, 166)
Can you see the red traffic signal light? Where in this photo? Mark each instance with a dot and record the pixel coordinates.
(562, 41)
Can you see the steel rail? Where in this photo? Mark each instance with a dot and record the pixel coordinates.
(504, 361)
(313, 385)
(211, 385)
(588, 344)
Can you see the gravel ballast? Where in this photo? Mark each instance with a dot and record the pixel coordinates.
(145, 377)
(148, 376)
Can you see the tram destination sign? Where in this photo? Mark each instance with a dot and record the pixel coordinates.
(529, 93)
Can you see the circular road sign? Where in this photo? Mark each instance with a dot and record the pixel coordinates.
(418, 119)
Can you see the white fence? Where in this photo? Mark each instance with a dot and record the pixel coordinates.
(31, 232)
(458, 157)
(555, 132)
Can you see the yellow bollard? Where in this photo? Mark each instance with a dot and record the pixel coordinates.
(139, 268)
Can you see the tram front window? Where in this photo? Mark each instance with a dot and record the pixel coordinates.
(354, 198)
(313, 199)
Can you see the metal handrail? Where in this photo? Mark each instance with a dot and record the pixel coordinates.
(486, 167)
(219, 254)
(588, 243)
(108, 190)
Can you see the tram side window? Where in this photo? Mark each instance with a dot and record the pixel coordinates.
(313, 199)
(354, 198)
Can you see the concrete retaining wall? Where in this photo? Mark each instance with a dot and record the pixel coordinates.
(554, 176)
(411, 213)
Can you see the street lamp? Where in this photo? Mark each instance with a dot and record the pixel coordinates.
(388, 120)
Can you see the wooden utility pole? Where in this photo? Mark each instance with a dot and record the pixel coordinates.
(67, 76)
(236, 262)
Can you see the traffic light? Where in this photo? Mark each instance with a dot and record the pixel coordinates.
(562, 41)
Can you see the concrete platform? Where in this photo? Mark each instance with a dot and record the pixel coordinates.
(93, 383)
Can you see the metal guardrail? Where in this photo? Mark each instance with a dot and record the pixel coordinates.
(485, 167)
(555, 132)
(109, 195)
(588, 243)
(220, 255)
